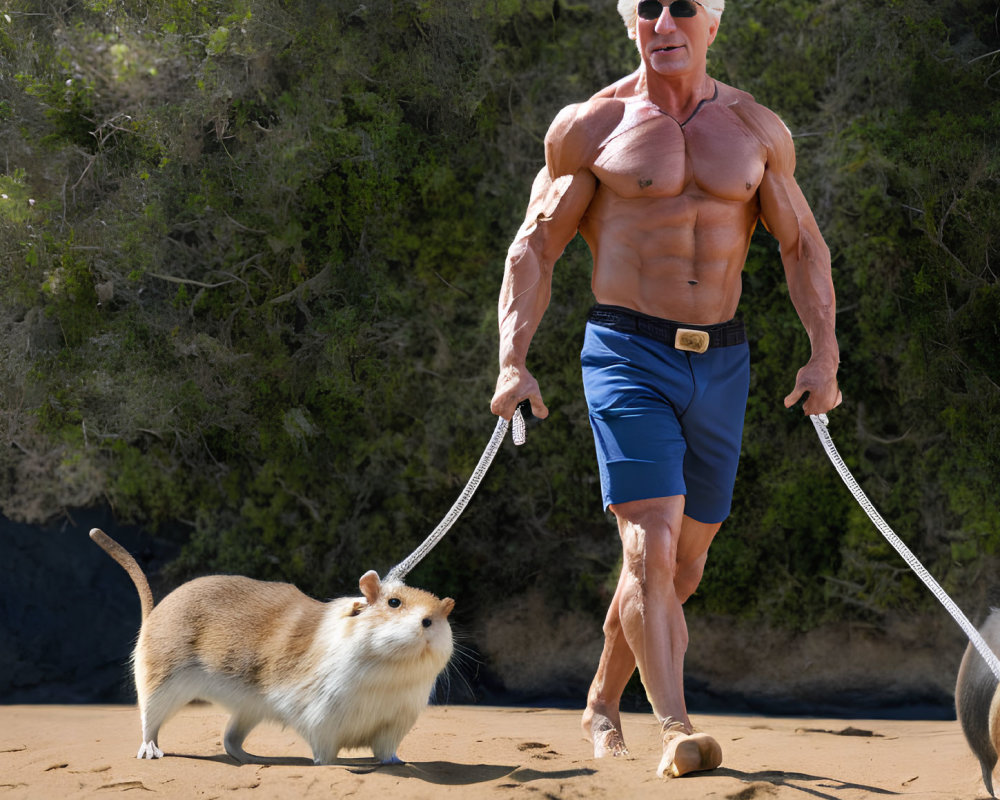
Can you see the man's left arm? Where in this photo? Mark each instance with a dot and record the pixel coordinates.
(806, 259)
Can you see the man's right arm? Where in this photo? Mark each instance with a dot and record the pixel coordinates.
(560, 195)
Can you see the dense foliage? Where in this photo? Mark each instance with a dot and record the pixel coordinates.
(250, 255)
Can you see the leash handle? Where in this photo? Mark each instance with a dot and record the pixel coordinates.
(821, 424)
(517, 422)
(400, 571)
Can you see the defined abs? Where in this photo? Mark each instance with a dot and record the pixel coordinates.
(674, 258)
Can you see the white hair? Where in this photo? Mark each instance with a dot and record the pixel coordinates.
(627, 9)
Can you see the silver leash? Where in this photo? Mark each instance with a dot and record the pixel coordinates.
(821, 424)
(398, 572)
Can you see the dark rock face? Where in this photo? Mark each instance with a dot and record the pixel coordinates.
(69, 615)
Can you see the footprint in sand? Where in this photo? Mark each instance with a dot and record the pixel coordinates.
(753, 791)
(526, 746)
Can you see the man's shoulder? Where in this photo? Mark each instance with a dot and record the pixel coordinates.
(761, 121)
(588, 118)
(577, 131)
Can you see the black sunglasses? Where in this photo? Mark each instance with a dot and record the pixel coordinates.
(651, 9)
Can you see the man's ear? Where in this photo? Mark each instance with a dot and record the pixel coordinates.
(713, 30)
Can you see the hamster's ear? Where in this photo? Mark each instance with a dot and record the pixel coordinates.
(447, 605)
(371, 586)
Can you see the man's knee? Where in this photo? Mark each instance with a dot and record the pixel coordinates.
(650, 531)
(687, 578)
(650, 555)
(692, 556)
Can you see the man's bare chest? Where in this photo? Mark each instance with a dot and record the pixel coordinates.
(650, 155)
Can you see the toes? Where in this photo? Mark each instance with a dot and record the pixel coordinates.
(605, 736)
(149, 750)
(609, 742)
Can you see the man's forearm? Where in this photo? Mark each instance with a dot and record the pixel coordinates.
(524, 297)
(810, 287)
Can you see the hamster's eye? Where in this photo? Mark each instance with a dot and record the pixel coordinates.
(395, 602)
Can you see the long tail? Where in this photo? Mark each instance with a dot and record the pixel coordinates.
(129, 564)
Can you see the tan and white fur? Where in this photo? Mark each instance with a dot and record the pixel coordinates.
(350, 673)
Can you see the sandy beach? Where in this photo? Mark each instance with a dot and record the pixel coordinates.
(483, 752)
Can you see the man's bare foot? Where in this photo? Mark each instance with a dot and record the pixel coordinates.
(605, 735)
(685, 752)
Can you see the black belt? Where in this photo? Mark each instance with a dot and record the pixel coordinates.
(693, 338)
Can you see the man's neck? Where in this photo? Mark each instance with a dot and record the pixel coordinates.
(678, 95)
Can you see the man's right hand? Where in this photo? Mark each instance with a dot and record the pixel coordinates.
(514, 385)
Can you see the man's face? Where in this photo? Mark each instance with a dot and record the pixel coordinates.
(676, 41)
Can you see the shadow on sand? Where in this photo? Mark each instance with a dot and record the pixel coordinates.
(441, 773)
(762, 784)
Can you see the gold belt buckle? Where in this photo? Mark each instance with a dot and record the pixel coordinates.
(692, 341)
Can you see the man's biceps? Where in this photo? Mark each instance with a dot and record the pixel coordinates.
(568, 197)
(776, 212)
(783, 210)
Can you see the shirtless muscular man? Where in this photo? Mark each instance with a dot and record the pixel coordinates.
(665, 174)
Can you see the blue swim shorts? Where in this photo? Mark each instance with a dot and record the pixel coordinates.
(666, 421)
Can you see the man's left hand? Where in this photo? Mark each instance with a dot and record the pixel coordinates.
(820, 383)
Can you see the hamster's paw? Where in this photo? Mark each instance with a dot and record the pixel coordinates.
(149, 750)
